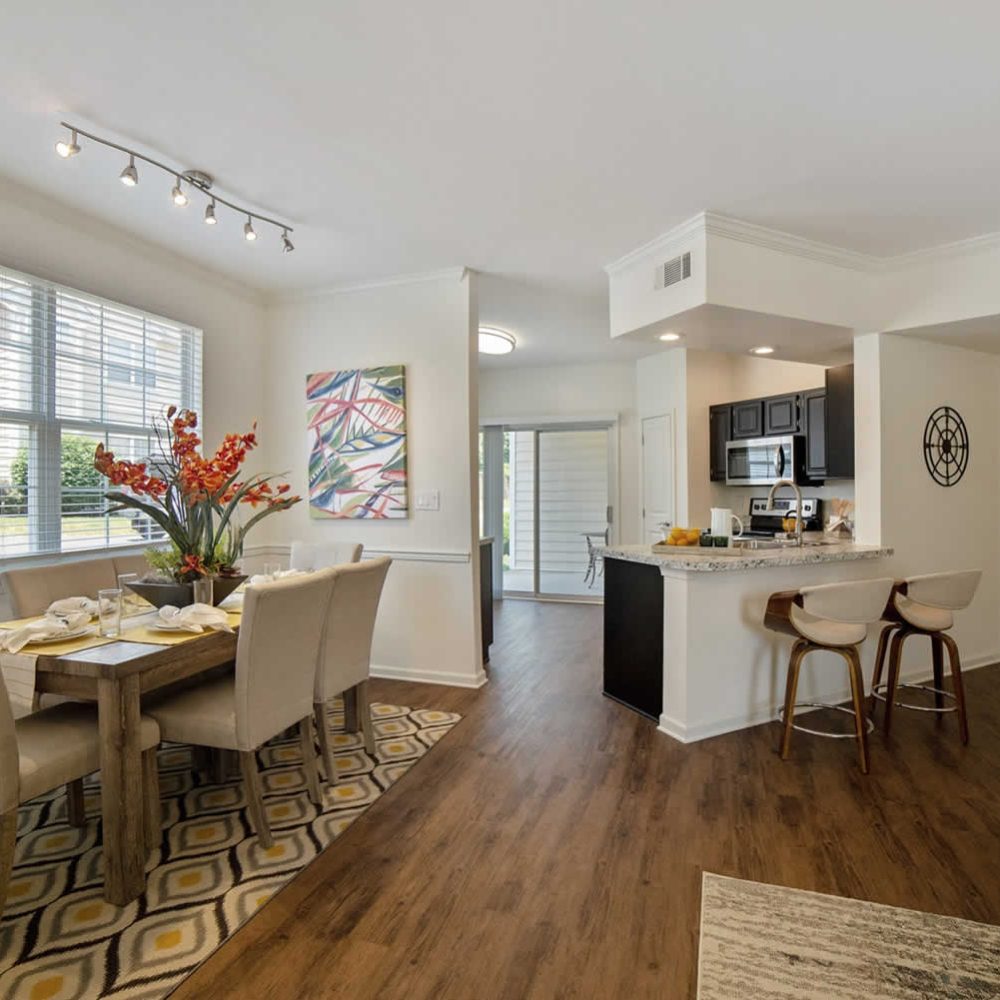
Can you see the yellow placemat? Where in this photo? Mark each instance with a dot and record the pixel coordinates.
(58, 648)
(141, 632)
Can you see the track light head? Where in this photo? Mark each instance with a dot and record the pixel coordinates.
(286, 244)
(129, 176)
(248, 230)
(210, 219)
(180, 198)
(67, 149)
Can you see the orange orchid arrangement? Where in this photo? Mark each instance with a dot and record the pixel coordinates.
(192, 498)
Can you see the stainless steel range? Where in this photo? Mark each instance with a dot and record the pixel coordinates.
(764, 523)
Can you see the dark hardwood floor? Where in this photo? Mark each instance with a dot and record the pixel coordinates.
(552, 845)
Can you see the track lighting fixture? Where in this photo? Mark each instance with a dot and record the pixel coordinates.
(195, 178)
(129, 176)
(67, 149)
(180, 198)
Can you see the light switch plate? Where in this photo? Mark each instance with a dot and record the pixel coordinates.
(428, 501)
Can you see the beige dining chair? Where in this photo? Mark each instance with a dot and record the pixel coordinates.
(345, 654)
(271, 690)
(319, 555)
(60, 746)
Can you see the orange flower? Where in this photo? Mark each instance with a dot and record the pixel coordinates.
(129, 474)
(192, 564)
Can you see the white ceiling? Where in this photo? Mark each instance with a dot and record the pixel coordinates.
(533, 141)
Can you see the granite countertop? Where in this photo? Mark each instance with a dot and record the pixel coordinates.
(699, 560)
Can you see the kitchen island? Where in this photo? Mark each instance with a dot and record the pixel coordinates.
(684, 641)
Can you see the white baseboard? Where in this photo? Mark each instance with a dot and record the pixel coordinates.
(768, 713)
(428, 676)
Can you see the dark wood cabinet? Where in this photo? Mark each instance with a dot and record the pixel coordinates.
(840, 422)
(720, 423)
(814, 419)
(748, 419)
(486, 594)
(781, 414)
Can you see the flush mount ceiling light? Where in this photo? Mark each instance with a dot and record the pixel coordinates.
(195, 180)
(669, 338)
(494, 341)
(763, 349)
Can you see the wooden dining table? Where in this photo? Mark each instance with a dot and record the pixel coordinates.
(116, 676)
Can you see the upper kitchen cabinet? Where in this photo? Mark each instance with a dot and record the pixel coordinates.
(840, 422)
(748, 419)
(814, 419)
(720, 422)
(781, 415)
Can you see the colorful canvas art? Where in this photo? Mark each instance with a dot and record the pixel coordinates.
(357, 442)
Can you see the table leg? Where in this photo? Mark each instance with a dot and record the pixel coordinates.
(121, 789)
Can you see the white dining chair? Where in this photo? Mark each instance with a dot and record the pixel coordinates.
(345, 654)
(276, 655)
(60, 746)
(308, 556)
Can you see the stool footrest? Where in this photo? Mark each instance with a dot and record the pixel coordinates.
(819, 732)
(878, 691)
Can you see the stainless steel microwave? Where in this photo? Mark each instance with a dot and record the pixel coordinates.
(763, 461)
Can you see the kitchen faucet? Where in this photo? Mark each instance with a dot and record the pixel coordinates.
(798, 505)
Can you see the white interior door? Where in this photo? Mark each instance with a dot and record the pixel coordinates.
(657, 475)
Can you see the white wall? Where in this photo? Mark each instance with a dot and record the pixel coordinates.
(661, 389)
(574, 391)
(429, 619)
(934, 528)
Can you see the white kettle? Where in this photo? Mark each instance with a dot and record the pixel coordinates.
(722, 522)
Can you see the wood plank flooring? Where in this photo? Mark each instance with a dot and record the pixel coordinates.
(552, 845)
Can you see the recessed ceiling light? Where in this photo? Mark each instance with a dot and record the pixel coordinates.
(494, 341)
(669, 338)
(764, 349)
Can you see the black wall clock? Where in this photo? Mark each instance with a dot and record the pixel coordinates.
(946, 446)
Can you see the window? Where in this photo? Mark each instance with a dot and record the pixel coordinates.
(76, 370)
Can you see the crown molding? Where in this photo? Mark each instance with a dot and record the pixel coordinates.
(327, 291)
(797, 246)
(673, 239)
(971, 247)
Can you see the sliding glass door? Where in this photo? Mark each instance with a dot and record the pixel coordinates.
(556, 508)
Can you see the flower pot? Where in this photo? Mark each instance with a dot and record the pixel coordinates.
(180, 595)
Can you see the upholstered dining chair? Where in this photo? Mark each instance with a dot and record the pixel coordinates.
(271, 690)
(60, 746)
(345, 653)
(319, 555)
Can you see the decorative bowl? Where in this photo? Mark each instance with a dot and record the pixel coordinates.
(180, 595)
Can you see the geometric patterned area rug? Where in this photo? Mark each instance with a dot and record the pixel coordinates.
(768, 942)
(60, 940)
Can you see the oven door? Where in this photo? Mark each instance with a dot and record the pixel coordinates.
(759, 461)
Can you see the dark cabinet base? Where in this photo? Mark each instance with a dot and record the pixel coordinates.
(633, 635)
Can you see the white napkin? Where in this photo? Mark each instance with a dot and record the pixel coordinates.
(13, 640)
(195, 618)
(71, 605)
(19, 676)
(271, 577)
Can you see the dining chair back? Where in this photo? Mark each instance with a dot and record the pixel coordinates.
(9, 781)
(33, 590)
(280, 633)
(345, 654)
(319, 555)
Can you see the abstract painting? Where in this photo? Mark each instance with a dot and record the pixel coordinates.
(357, 442)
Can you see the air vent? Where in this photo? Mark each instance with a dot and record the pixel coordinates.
(674, 270)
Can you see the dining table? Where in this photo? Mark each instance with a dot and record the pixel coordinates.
(117, 673)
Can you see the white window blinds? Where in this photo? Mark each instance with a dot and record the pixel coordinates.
(76, 370)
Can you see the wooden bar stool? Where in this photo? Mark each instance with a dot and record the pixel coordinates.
(834, 617)
(925, 605)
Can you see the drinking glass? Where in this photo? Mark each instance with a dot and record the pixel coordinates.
(203, 590)
(109, 603)
(130, 600)
(271, 570)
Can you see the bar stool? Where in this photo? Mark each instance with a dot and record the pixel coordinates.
(834, 617)
(924, 605)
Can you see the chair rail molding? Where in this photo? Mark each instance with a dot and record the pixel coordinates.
(403, 555)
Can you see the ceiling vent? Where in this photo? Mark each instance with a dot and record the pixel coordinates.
(674, 270)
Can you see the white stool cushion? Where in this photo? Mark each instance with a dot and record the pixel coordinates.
(826, 632)
(923, 616)
(62, 743)
(204, 715)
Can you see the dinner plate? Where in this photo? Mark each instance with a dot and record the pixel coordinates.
(64, 637)
(167, 627)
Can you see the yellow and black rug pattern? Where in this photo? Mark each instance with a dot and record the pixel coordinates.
(60, 939)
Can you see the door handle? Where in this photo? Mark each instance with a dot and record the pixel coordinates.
(779, 462)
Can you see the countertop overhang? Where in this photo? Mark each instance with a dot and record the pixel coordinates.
(705, 560)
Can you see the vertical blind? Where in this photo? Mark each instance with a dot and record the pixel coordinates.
(76, 370)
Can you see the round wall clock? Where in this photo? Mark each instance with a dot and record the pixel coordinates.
(946, 446)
